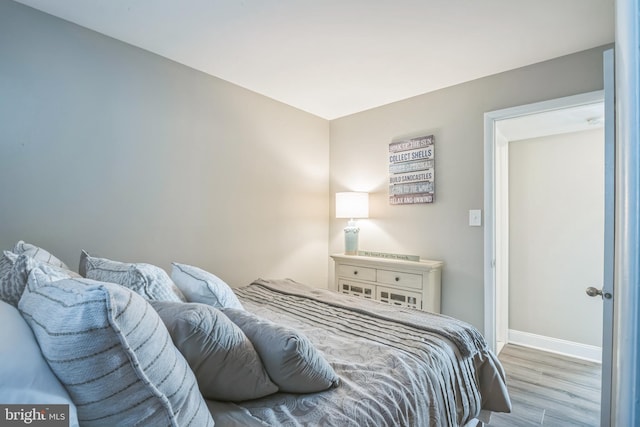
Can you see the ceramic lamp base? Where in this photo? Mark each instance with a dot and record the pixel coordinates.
(351, 232)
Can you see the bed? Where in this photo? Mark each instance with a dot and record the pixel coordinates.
(397, 366)
(102, 344)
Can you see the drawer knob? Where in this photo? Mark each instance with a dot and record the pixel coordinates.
(355, 272)
(397, 279)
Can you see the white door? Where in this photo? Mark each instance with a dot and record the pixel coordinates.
(606, 292)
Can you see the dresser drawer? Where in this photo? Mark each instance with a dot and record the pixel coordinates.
(354, 272)
(357, 289)
(399, 278)
(399, 297)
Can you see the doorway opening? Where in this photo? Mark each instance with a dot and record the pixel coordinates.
(559, 116)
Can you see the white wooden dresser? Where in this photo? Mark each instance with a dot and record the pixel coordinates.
(406, 283)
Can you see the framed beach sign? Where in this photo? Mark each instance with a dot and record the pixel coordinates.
(412, 171)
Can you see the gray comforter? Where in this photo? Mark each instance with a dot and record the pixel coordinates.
(398, 367)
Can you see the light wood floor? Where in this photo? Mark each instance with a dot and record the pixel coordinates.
(549, 389)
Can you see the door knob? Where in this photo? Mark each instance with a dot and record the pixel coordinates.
(594, 292)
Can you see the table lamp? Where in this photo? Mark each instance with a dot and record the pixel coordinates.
(352, 205)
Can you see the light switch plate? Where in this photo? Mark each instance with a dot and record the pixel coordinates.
(475, 218)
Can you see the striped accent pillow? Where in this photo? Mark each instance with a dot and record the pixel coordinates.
(148, 280)
(199, 285)
(113, 354)
(38, 253)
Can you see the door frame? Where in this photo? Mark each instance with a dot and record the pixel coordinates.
(496, 202)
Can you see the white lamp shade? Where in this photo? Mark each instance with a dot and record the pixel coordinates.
(352, 205)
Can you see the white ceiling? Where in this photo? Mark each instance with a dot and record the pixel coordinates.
(337, 57)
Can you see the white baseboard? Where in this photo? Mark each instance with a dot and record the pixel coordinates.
(555, 345)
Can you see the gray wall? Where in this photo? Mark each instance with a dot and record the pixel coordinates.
(359, 148)
(556, 235)
(107, 147)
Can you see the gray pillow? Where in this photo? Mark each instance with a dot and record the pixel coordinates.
(112, 353)
(199, 285)
(38, 253)
(148, 280)
(226, 365)
(291, 360)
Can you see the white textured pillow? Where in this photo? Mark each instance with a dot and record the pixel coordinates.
(201, 286)
(13, 282)
(38, 253)
(223, 359)
(113, 354)
(291, 360)
(25, 377)
(148, 280)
